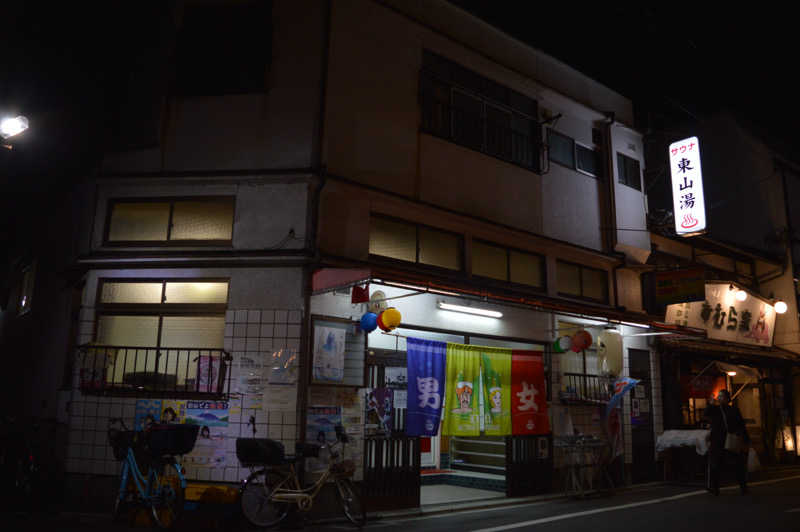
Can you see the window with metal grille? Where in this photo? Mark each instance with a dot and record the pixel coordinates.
(158, 336)
(184, 221)
(468, 109)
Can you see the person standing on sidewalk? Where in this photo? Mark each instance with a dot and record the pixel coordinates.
(725, 418)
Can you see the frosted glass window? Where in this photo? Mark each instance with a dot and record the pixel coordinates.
(489, 261)
(196, 292)
(560, 148)
(136, 331)
(397, 240)
(438, 248)
(138, 221)
(569, 278)
(595, 284)
(527, 269)
(201, 332)
(114, 292)
(202, 220)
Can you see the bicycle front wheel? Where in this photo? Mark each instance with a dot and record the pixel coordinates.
(256, 501)
(166, 496)
(351, 502)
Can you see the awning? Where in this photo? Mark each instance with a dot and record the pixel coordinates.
(730, 351)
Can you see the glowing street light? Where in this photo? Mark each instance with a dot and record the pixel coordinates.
(781, 307)
(10, 126)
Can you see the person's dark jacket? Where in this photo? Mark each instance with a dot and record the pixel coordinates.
(713, 414)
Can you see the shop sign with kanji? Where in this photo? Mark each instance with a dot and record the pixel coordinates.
(688, 201)
(724, 317)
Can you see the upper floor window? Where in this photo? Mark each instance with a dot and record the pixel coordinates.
(224, 49)
(628, 170)
(414, 243)
(576, 280)
(566, 152)
(496, 262)
(468, 109)
(190, 221)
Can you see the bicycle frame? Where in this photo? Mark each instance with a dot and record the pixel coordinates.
(130, 469)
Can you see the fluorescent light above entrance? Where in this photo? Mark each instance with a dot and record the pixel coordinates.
(632, 324)
(469, 310)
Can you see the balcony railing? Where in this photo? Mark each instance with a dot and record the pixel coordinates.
(583, 388)
(173, 371)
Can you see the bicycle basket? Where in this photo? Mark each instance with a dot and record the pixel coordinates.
(345, 468)
(259, 451)
(170, 440)
(120, 441)
(306, 450)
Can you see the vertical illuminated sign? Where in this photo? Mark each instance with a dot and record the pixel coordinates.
(688, 202)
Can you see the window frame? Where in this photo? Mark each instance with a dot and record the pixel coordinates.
(593, 149)
(430, 76)
(621, 157)
(551, 131)
(417, 226)
(508, 281)
(162, 308)
(582, 267)
(171, 200)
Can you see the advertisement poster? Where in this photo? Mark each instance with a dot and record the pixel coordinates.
(329, 345)
(462, 407)
(207, 414)
(426, 361)
(280, 397)
(173, 411)
(147, 411)
(321, 424)
(207, 374)
(496, 372)
(209, 448)
(528, 400)
(396, 377)
(378, 412)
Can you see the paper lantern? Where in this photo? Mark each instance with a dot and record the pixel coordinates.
(391, 318)
(382, 326)
(562, 344)
(609, 352)
(580, 341)
(369, 322)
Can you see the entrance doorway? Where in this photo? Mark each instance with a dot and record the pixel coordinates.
(642, 436)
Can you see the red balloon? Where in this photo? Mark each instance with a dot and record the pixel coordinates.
(382, 326)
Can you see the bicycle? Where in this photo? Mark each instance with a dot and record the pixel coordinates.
(163, 486)
(268, 492)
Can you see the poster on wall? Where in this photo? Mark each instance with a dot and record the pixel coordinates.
(207, 414)
(209, 448)
(208, 373)
(528, 400)
(321, 422)
(329, 346)
(173, 411)
(283, 366)
(426, 360)
(147, 411)
(462, 407)
(496, 373)
(395, 377)
(378, 412)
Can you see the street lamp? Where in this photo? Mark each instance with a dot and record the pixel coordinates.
(10, 126)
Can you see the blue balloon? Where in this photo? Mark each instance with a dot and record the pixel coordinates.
(369, 322)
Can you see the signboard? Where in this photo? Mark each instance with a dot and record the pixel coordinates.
(688, 201)
(724, 317)
(680, 286)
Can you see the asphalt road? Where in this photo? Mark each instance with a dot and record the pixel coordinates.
(770, 505)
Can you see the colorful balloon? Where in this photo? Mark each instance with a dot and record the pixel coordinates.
(391, 318)
(382, 325)
(580, 341)
(369, 322)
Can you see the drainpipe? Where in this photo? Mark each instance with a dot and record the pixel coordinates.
(610, 235)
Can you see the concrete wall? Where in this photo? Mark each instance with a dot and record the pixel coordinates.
(372, 119)
(275, 128)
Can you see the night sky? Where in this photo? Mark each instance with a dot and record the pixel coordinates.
(62, 64)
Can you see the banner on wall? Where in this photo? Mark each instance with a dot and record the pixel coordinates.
(426, 373)
(462, 410)
(496, 372)
(528, 400)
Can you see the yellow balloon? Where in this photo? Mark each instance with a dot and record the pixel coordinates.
(391, 318)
